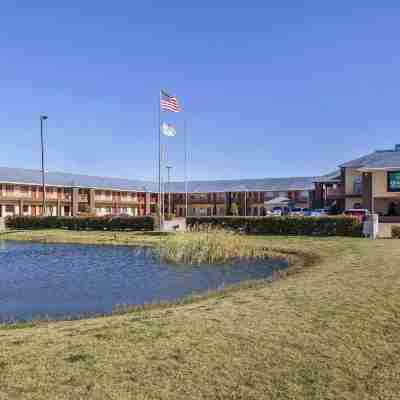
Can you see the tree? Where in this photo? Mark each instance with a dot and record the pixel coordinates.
(234, 209)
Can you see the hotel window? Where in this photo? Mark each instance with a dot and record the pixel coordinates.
(124, 194)
(220, 196)
(124, 210)
(108, 193)
(25, 209)
(304, 194)
(9, 188)
(357, 185)
(199, 196)
(10, 209)
(24, 189)
(98, 192)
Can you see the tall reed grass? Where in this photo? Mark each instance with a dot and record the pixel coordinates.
(213, 246)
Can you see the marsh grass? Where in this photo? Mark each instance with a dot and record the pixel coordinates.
(210, 246)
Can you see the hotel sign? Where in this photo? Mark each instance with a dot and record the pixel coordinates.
(393, 179)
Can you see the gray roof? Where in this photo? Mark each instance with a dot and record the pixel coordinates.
(331, 177)
(242, 185)
(377, 159)
(33, 177)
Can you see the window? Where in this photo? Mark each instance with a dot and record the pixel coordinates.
(25, 209)
(24, 189)
(220, 196)
(393, 181)
(357, 184)
(199, 196)
(9, 188)
(98, 192)
(304, 194)
(10, 208)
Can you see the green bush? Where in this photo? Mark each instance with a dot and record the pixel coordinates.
(325, 226)
(82, 223)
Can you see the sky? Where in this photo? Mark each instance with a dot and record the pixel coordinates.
(268, 88)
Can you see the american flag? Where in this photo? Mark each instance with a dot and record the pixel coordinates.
(169, 103)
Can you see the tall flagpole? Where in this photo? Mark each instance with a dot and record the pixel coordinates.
(185, 166)
(159, 163)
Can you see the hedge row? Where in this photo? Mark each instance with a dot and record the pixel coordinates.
(82, 223)
(324, 226)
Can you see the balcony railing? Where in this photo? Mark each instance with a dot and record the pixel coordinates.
(334, 192)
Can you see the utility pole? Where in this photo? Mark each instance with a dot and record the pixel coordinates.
(42, 119)
(169, 167)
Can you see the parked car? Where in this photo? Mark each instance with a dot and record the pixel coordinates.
(296, 212)
(360, 213)
(279, 211)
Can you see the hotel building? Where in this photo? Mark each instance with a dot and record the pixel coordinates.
(71, 195)
(371, 182)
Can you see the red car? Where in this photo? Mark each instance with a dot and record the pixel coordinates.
(360, 213)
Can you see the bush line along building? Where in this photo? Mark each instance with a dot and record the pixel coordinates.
(371, 181)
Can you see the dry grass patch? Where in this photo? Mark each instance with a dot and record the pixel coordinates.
(331, 331)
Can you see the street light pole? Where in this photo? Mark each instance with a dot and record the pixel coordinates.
(169, 187)
(42, 119)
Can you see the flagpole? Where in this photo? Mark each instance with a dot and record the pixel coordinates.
(185, 166)
(159, 162)
(163, 158)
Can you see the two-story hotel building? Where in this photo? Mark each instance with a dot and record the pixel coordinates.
(371, 182)
(21, 193)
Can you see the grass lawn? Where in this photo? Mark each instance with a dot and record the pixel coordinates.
(86, 237)
(329, 331)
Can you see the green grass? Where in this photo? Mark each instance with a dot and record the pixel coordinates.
(85, 237)
(329, 330)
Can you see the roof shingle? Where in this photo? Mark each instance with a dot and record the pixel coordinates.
(33, 177)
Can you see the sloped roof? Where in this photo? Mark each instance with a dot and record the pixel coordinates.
(242, 185)
(33, 177)
(377, 159)
(331, 177)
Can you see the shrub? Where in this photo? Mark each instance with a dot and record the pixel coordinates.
(82, 223)
(396, 232)
(325, 226)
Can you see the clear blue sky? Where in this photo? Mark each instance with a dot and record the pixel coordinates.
(269, 88)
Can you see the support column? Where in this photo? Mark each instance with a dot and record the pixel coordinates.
(58, 208)
(75, 201)
(91, 197)
(147, 203)
(21, 208)
(368, 201)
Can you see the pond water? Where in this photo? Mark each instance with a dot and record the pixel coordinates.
(68, 280)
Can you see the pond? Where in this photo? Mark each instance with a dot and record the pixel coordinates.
(67, 280)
